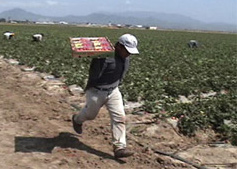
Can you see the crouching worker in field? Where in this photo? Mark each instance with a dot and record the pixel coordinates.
(105, 75)
(38, 37)
(193, 44)
(8, 35)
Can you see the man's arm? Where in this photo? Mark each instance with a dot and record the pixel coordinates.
(97, 67)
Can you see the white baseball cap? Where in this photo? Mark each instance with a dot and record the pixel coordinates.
(130, 43)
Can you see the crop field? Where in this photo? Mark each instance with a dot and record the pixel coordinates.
(165, 71)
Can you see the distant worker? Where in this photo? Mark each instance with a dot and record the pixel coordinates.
(193, 44)
(38, 37)
(8, 35)
(105, 75)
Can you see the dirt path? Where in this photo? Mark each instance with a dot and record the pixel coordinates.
(36, 132)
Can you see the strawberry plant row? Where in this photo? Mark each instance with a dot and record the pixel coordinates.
(165, 70)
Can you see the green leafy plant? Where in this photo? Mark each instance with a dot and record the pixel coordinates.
(165, 69)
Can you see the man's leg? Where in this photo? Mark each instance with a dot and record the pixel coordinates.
(94, 101)
(117, 115)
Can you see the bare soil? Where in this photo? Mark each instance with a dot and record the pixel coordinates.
(36, 132)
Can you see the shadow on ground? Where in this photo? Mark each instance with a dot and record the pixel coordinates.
(63, 140)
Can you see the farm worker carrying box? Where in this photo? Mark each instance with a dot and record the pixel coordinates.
(105, 75)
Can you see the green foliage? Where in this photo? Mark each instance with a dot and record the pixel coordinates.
(218, 113)
(165, 69)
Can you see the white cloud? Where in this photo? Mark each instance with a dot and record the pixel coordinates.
(50, 2)
(28, 3)
(128, 2)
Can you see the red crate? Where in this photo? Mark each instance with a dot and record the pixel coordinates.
(90, 46)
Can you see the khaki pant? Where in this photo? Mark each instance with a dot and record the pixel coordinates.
(95, 99)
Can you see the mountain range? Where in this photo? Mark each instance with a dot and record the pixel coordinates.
(161, 20)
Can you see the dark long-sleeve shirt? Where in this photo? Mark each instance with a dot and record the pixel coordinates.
(107, 72)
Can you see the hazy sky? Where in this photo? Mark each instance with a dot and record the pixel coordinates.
(203, 10)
